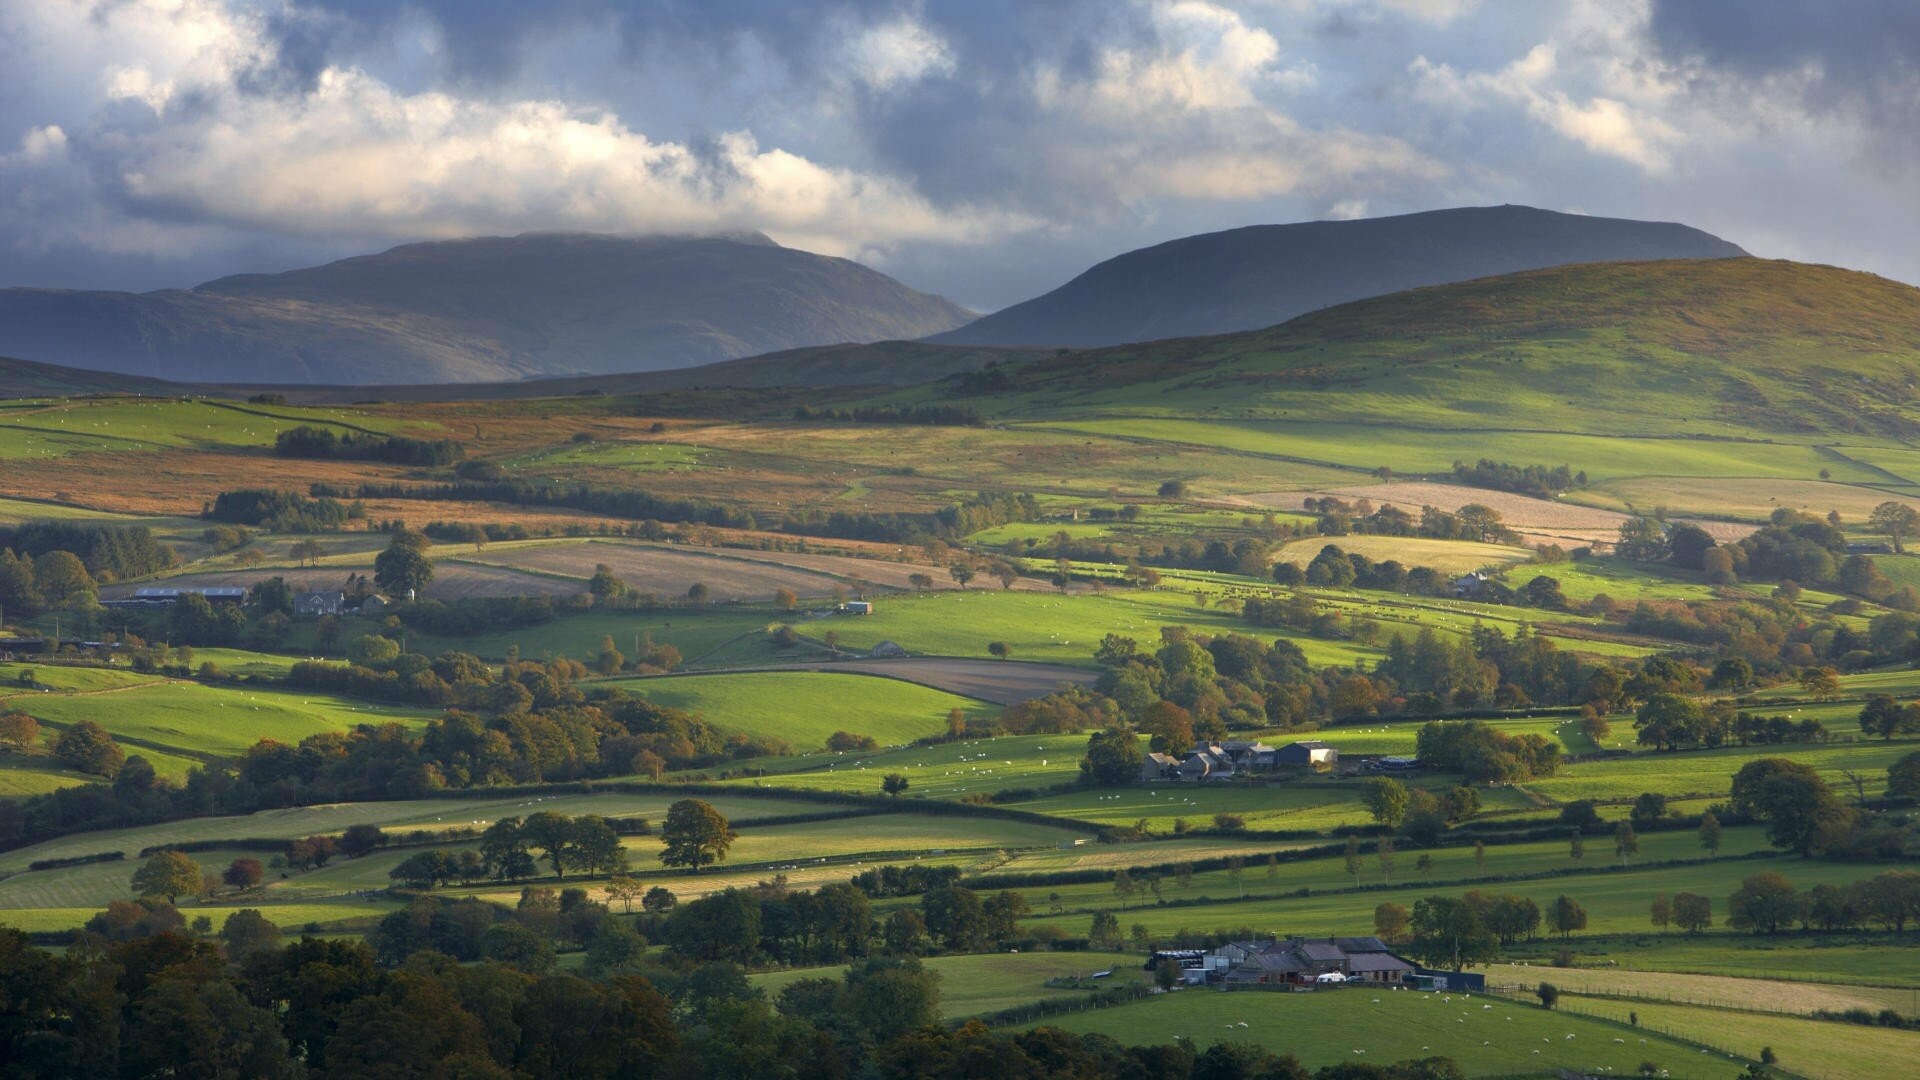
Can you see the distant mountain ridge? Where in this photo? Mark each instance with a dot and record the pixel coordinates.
(492, 308)
(1263, 275)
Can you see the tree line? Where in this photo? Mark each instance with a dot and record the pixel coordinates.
(307, 441)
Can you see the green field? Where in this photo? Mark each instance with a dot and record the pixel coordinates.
(1824, 1050)
(478, 811)
(1616, 901)
(943, 771)
(1368, 446)
(1484, 1036)
(803, 708)
(183, 720)
(79, 426)
(975, 985)
(1062, 629)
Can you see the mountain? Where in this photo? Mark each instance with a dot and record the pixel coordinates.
(495, 308)
(1245, 279)
(1733, 349)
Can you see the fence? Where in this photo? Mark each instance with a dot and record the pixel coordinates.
(1569, 1004)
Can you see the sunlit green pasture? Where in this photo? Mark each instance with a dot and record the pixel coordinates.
(1417, 450)
(974, 985)
(80, 425)
(1360, 1024)
(1616, 901)
(1455, 864)
(1813, 1048)
(190, 719)
(803, 708)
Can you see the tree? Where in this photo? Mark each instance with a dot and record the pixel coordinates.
(246, 932)
(1386, 799)
(402, 568)
(1113, 757)
(1886, 717)
(1548, 994)
(595, 847)
(604, 584)
(307, 552)
(658, 901)
(86, 747)
(1710, 833)
(1576, 846)
(1661, 911)
(1799, 809)
(18, 730)
(1105, 933)
(1820, 683)
(1894, 520)
(1565, 915)
(695, 835)
(961, 574)
(242, 873)
(1641, 540)
(553, 835)
(63, 581)
(1649, 808)
(615, 947)
(1903, 777)
(1390, 923)
(1764, 903)
(1353, 858)
(999, 650)
(169, 874)
(884, 997)
(1667, 720)
(1626, 843)
(1452, 932)
(623, 890)
(698, 592)
(894, 783)
(1692, 912)
(361, 839)
(1383, 853)
(1123, 886)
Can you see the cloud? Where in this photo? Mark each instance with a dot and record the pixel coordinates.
(1857, 61)
(1603, 125)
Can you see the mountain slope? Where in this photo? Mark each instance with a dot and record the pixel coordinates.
(1716, 348)
(1245, 279)
(490, 308)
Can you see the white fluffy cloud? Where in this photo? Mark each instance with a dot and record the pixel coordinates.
(1604, 125)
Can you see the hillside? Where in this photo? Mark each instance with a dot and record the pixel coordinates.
(1723, 348)
(26, 379)
(1245, 279)
(499, 308)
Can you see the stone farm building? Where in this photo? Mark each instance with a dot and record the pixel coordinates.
(1232, 757)
(1299, 963)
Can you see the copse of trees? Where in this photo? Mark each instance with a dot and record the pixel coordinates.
(280, 511)
(109, 552)
(933, 415)
(1540, 481)
(307, 441)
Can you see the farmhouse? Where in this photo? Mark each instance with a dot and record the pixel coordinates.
(1304, 963)
(1312, 753)
(1158, 766)
(857, 607)
(312, 605)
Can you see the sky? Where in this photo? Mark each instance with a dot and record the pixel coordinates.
(987, 150)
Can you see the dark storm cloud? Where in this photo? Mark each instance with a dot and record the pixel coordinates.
(1856, 58)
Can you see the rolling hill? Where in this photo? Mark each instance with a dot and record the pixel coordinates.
(498, 308)
(1719, 348)
(1245, 279)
